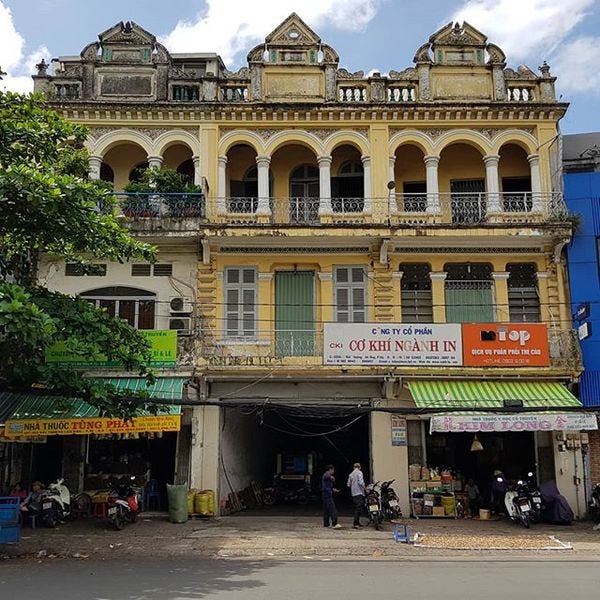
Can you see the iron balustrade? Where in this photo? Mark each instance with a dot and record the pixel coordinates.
(468, 208)
(162, 205)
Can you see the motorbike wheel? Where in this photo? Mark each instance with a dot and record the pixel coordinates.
(378, 521)
(50, 521)
(525, 520)
(268, 498)
(118, 521)
(133, 515)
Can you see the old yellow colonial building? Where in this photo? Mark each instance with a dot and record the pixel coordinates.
(358, 241)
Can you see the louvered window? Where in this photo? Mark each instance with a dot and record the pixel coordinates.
(350, 294)
(523, 299)
(79, 270)
(146, 270)
(469, 293)
(240, 302)
(416, 299)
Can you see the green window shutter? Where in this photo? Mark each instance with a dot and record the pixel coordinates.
(469, 303)
(294, 313)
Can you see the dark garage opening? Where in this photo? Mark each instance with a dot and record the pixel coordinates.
(258, 444)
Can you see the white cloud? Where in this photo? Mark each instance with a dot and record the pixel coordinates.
(576, 65)
(525, 28)
(18, 67)
(230, 27)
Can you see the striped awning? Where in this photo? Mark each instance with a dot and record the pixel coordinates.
(490, 394)
(164, 388)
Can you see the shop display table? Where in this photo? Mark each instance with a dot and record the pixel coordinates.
(432, 499)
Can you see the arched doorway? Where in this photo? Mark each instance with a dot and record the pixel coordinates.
(347, 181)
(304, 195)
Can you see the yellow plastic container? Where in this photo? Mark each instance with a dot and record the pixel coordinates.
(211, 501)
(201, 503)
(190, 501)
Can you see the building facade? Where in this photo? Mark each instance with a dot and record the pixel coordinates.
(581, 163)
(357, 240)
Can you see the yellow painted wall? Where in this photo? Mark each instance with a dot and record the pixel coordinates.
(123, 159)
(513, 162)
(459, 161)
(174, 155)
(409, 166)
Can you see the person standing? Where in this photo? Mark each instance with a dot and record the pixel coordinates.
(330, 516)
(356, 483)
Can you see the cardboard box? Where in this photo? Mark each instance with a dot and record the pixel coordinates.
(438, 511)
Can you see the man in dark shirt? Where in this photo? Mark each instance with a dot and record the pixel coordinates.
(330, 516)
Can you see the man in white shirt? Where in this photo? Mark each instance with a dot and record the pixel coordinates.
(356, 483)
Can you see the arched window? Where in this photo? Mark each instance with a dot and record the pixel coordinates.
(348, 188)
(186, 168)
(244, 194)
(304, 195)
(133, 305)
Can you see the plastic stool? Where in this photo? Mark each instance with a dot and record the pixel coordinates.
(100, 509)
(402, 534)
(152, 494)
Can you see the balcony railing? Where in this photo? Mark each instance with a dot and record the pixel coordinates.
(162, 205)
(398, 209)
(289, 347)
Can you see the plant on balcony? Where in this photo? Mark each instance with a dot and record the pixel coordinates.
(163, 186)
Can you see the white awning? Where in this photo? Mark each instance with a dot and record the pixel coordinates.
(486, 422)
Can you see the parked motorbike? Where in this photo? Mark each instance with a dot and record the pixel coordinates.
(518, 506)
(535, 499)
(56, 504)
(123, 505)
(555, 507)
(279, 492)
(373, 505)
(594, 507)
(390, 503)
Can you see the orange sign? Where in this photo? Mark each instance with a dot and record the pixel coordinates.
(505, 345)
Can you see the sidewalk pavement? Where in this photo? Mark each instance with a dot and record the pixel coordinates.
(240, 536)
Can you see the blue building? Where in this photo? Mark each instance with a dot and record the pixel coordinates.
(581, 166)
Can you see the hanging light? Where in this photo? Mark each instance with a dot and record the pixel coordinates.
(476, 445)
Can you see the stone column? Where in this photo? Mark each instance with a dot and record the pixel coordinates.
(433, 191)
(393, 205)
(262, 163)
(438, 295)
(325, 185)
(95, 162)
(492, 182)
(501, 296)
(197, 172)
(536, 184)
(222, 185)
(366, 161)
(155, 162)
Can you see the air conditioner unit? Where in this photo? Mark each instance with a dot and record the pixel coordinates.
(180, 305)
(183, 325)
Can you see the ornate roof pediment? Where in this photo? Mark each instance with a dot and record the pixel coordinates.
(455, 34)
(293, 32)
(127, 33)
(406, 74)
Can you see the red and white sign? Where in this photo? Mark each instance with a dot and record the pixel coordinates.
(517, 422)
(505, 345)
(379, 344)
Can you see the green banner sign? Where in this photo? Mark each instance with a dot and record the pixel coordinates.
(163, 344)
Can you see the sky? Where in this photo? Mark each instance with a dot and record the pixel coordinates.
(369, 35)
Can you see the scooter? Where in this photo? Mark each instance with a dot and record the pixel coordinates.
(518, 506)
(535, 499)
(390, 503)
(373, 504)
(123, 506)
(56, 504)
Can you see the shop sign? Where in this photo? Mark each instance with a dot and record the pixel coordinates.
(100, 425)
(398, 431)
(375, 344)
(39, 439)
(505, 345)
(163, 346)
(449, 423)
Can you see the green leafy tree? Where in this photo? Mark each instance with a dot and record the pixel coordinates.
(49, 206)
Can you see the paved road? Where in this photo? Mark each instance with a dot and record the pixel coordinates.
(191, 579)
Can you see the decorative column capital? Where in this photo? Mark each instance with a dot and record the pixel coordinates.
(491, 160)
(533, 159)
(196, 161)
(431, 160)
(265, 276)
(263, 161)
(397, 275)
(542, 275)
(222, 161)
(325, 276)
(366, 160)
(95, 158)
(324, 161)
(392, 160)
(155, 162)
(500, 275)
(438, 275)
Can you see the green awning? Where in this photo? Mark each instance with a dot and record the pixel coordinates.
(19, 406)
(490, 394)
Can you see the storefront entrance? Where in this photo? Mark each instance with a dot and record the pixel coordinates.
(288, 448)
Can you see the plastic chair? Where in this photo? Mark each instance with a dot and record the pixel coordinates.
(402, 534)
(152, 495)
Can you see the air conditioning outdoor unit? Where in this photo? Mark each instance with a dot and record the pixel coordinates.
(180, 305)
(183, 325)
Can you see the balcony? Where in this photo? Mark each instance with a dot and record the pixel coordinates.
(398, 210)
(291, 348)
(158, 206)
